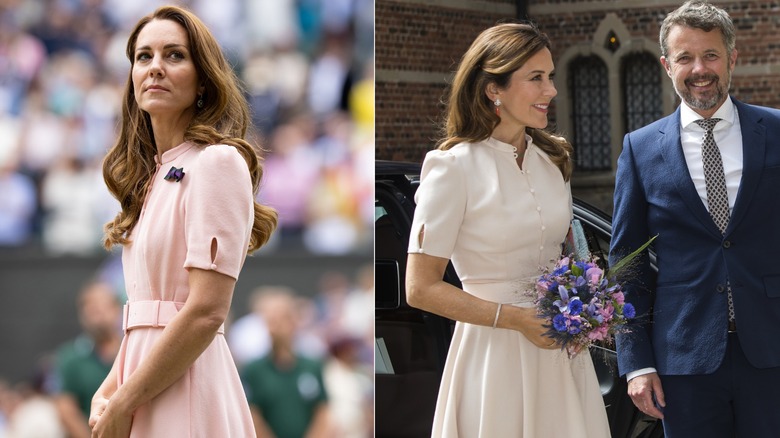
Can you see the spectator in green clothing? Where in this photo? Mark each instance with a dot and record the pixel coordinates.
(82, 365)
(285, 390)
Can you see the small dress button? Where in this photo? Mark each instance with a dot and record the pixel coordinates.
(533, 191)
(515, 156)
(213, 266)
(727, 244)
(541, 248)
(538, 208)
(720, 288)
(543, 228)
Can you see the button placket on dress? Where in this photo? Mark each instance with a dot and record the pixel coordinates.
(140, 251)
(532, 191)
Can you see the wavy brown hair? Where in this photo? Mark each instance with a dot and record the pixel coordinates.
(494, 55)
(223, 119)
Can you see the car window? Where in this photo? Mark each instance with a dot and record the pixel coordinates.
(379, 211)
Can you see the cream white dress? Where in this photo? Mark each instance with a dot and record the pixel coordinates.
(499, 225)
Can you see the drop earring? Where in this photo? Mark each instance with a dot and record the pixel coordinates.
(199, 103)
(497, 103)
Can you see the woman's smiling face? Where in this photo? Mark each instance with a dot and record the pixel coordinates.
(526, 99)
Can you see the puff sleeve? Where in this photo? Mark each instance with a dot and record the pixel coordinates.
(219, 211)
(441, 205)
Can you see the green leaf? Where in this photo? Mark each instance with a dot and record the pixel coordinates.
(615, 269)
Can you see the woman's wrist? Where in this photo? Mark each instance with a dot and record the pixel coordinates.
(119, 403)
(526, 319)
(498, 314)
(103, 393)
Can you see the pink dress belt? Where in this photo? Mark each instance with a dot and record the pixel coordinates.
(152, 314)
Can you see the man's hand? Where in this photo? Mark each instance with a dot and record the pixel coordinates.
(643, 390)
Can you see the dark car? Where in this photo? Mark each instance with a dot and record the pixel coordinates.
(412, 344)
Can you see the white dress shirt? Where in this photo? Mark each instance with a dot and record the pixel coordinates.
(728, 137)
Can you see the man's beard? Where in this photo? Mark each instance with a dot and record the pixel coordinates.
(705, 102)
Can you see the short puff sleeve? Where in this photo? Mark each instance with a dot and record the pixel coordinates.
(441, 205)
(219, 211)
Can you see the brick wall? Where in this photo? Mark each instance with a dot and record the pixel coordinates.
(418, 46)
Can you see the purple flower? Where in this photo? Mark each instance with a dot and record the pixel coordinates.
(582, 265)
(575, 306)
(594, 274)
(629, 311)
(562, 266)
(559, 322)
(175, 174)
(574, 327)
(563, 293)
(593, 309)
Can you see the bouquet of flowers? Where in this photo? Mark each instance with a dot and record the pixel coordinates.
(581, 302)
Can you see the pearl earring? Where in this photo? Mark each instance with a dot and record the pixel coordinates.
(497, 103)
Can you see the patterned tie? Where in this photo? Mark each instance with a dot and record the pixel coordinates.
(714, 178)
(717, 196)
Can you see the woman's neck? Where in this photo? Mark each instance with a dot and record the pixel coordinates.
(515, 138)
(169, 133)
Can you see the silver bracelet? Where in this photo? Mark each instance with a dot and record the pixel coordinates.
(498, 310)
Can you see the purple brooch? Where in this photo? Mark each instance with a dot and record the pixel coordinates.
(175, 174)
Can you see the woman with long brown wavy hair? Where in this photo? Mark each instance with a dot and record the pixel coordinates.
(186, 180)
(495, 199)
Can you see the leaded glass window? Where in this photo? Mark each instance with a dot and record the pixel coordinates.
(589, 88)
(642, 90)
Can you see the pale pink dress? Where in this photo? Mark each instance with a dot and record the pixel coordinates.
(211, 208)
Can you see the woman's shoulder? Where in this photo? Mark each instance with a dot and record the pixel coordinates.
(450, 159)
(216, 163)
(217, 156)
(458, 152)
(219, 152)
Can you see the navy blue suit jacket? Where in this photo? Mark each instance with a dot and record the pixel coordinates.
(682, 327)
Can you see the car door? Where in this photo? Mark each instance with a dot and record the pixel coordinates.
(411, 345)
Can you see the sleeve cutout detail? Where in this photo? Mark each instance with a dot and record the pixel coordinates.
(214, 248)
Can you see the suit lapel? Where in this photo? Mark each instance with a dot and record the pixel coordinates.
(753, 149)
(672, 153)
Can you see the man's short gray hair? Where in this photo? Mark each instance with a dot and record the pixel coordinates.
(702, 15)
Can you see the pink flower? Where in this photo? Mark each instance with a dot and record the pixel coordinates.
(599, 333)
(594, 274)
(619, 297)
(607, 312)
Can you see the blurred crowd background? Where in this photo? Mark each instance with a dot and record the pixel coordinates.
(307, 66)
(308, 70)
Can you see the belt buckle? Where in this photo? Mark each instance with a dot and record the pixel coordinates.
(732, 326)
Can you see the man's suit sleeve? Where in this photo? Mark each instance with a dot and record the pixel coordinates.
(629, 231)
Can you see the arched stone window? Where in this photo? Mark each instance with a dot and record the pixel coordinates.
(589, 90)
(608, 85)
(642, 93)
